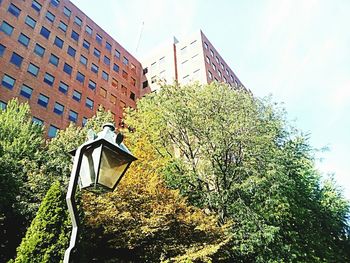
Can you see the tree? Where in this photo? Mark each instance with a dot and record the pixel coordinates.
(46, 238)
(237, 156)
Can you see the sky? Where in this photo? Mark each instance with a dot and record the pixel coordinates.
(297, 51)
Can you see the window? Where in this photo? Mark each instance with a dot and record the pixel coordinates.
(8, 82)
(39, 50)
(30, 22)
(210, 75)
(132, 96)
(80, 77)
(108, 46)
(145, 71)
(94, 68)
(86, 44)
(125, 61)
(216, 80)
(124, 90)
(55, 3)
(73, 116)
(54, 60)
(67, 69)
(225, 80)
(113, 99)
(67, 12)
(88, 30)
(62, 26)
(232, 78)
(83, 60)
(58, 42)
(92, 84)
(37, 121)
(43, 100)
(75, 35)
(227, 72)
(217, 59)
(49, 79)
(103, 92)
(23, 39)
(125, 74)
(2, 50)
(133, 67)
(153, 79)
(213, 66)
(114, 83)
(58, 108)
(16, 59)
(99, 39)
(50, 16)
(32, 69)
(71, 51)
(211, 53)
(26, 91)
(133, 81)
(115, 67)
(14, 10)
(105, 75)
(76, 95)
(219, 72)
(3, 105)
(97, 53)
(207, 59)
(117, 54)
(52, 131)
(145, 84)
(6, 28)
(45, 32)
(77, 21)
(205, 45)
(106, 60)
(222, 66)
(89, 103)
(84, 121)
(36, 6)
(63, 87)
(183, 50)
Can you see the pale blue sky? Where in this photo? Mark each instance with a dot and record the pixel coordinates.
(296, 50)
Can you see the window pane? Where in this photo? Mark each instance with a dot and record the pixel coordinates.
(98, 38)
(75, 35)
(14, 10)
(30, 22)
(49, 79)
(23, 39)
(73, 116)
(2, 50)
(88, 30)
(92, 84)
(26, 91)
(43, 100)
(125, 61)
(63, 87)
(55, 3)
(37, 121)
(32, 69)
(97, 53)
(89, 103)
(67, 69)
(54, 60)
(76, 95)
(94, 68)
(58, 42)
(77, 20)
(86, 44)
(8, 81)
(108, 46)
(105, 76)
(16, 59)
(2, 105)
(39, 50)
(71, 51)
(115, 67)
(106, 60)
(50, 16)
(6, 28)
(80, 77)
(62, 26)
(36, 6)
(66, 11)
(83, 60)
(52, 131)
(45, 32)
(58, 108)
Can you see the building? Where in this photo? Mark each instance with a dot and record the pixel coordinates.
(63, 64)
(192, 59)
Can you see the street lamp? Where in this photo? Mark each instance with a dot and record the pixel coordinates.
(99, 164)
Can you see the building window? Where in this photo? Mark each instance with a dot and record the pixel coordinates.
(114, 83)
(232, 78)
(227, 72)
(125, 74)
(205, 45)
(39, 50)
(219, 72)
(89, 103)
(75, 36)
(58, 42)
(76, 95)
(133, 81)
(183, 50)
(67, 12)
(88, 30)
(23, 39)
(222, 66)
(213, 66)
(94, 68)
(145, 84)
(51, 17)
(2, 50)
(125, 61)
(97, 53)
(62, 26)
(80, 77)
(105, 75)
(67, 69)
(54, 60)
(45, 32)
(55, 3)
(207, 59)
(117, 54)
(36, 6)
(124, 90)
(37, 121)
(108, 46)
(211, 53)
(58, 108)
(71, 51)
(53, 130)
(49, 79)
(153, 79)
(145, 71)
(98, 39)
(217, 59)
(225, 80)
(30, 22)
(73, 116)
(86, 44)
(8, 82)
(103, 92)
(14, 10)
(83, 60)
(32, 69)
(6, 28)
(133, 68)
(92, 84)
(132, 96)
(210, 75)
(116, 68)
(43, 100)
(3, 105)
(16, 59)
(106, 60)
(63, 87)
(26, 91)
(77, 21)
(113, 99)
(84, 121)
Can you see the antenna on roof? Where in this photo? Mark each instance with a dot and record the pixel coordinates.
(140, 35)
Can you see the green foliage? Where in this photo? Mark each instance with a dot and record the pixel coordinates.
(46, 238)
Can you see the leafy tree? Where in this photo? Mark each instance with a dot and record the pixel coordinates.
(46, 238)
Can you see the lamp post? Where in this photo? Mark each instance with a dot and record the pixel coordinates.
(99, 164)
